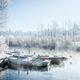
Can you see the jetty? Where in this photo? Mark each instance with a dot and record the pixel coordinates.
(3, 55)
(53, 59)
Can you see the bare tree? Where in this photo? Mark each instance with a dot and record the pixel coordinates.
(3, 12)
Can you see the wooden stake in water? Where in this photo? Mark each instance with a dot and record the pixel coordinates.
(27, 65)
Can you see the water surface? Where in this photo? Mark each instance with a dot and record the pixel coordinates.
(67, 71)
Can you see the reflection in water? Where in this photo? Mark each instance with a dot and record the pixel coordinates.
(34, 73)
(33, 69)
(36, 68)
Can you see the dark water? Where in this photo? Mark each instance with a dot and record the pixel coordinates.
(70, 70)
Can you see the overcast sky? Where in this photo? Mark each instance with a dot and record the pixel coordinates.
(28, 15)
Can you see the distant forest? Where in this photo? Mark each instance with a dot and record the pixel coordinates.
(53, 30)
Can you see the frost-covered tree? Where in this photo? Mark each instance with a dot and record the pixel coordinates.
(3, 12)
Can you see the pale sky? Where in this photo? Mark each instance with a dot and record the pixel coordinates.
(28, 15)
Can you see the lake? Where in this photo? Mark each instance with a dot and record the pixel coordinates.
(69, 70)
